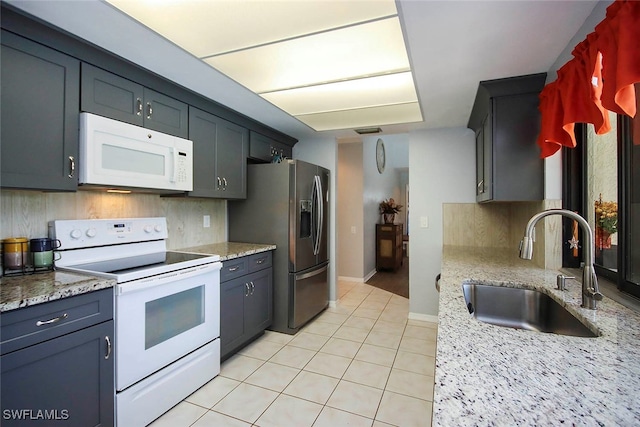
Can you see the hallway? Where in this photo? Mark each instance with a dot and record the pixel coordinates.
(396, 282)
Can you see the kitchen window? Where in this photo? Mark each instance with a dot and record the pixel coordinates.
(601, 181)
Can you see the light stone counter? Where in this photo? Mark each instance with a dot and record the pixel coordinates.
(230, 250)
(489, 375)
(32, 289)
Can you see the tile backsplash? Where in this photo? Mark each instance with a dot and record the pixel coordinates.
(27, 213)
(502, 225)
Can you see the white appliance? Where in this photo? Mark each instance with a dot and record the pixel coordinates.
(167, 310)
(114, 154)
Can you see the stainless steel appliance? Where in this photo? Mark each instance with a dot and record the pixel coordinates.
(167, 310)
(114, 154)
(288, 205)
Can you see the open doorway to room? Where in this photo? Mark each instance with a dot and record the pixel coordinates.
(361, 186)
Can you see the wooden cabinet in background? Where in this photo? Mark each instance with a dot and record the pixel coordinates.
(388, 246)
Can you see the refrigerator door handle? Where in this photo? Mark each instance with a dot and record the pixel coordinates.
(318, 213)
(311, 273)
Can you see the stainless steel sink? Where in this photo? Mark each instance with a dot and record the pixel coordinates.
(522, 309)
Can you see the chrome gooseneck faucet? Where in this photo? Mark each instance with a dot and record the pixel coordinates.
(590, 291)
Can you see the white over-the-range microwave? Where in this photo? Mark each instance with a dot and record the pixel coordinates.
(119, 155)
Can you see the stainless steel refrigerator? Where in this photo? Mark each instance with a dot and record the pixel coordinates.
(288, 205)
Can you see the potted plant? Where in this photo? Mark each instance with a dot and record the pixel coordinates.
(389, 208)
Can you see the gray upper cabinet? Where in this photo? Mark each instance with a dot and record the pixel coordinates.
(506, 122)
(39, 132)
(220, 151)
(265, 149)
(112, 96)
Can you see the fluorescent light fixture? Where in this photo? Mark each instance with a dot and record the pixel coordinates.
(113, 190)
(332, 65)
(370, 49)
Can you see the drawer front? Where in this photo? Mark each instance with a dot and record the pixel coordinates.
(234, 268)
(35, 324)
(260, 261)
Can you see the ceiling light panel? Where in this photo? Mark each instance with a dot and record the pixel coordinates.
(362, 50)
(346, 95)
(363, 117)
(210, 27)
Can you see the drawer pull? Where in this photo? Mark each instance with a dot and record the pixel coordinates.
(236, 268)
(261, 260)
(50, 321)
(106, 338)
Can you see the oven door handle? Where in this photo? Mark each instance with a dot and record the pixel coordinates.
(161, 279)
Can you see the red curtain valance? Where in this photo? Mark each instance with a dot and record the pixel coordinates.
(600, 77)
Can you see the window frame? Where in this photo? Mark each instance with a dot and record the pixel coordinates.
(574, 197)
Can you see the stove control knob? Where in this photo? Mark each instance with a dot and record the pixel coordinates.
(147, 229)
(76, 233)
(91, 232)
(158, 228)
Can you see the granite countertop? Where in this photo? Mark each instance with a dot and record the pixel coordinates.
(230, 250)
(489, 375)
(31, 289)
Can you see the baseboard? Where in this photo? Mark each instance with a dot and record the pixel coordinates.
(350, 279)
(369, 276)
(423, 317)
(357, 279)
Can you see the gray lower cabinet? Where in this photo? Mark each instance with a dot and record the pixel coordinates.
(39, 116)
(109, 95)
(220, 150)
(506, 122)
(246, 301)
(57, 363)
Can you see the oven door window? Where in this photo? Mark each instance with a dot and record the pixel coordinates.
(172, 315)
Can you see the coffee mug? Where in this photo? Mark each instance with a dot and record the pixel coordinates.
(43, 244)
(14, 251)
(42, 251)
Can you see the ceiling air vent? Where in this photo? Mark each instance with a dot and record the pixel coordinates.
(367, 131)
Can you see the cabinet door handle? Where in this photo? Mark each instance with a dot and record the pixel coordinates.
(138, 107)
(253, 288)
(72, 166)
(149, 110)
(481, 186)
(50, 321)
(224, 181)
(219, 182)
(246, 292)
(106, 338)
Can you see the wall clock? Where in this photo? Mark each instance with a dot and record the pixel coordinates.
(380, 155)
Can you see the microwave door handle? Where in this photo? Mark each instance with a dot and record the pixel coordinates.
(174, 160)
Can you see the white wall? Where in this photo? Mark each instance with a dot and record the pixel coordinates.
(442, 168)
(349, 218)
(380, 186)
(324, 152)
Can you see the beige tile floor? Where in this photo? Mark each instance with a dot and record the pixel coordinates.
(362, 363)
